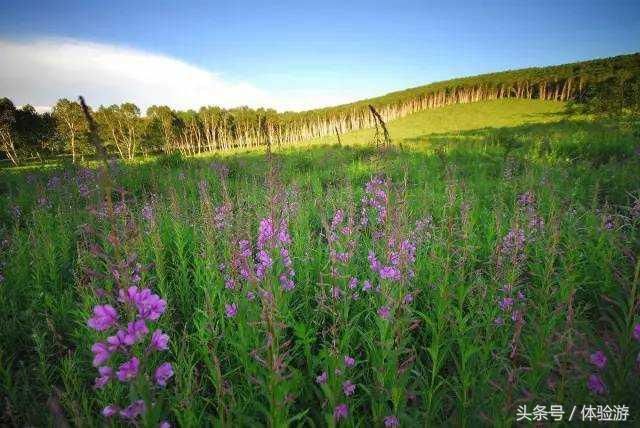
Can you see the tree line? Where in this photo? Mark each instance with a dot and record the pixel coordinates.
(598, 86)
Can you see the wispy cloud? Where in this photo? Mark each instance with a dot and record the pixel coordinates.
(41, 71)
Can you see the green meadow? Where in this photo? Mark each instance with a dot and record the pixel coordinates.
(484, 264)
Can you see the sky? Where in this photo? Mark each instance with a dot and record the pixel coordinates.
(288, 55)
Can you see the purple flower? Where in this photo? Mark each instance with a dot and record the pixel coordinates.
(498, 321)
(595, 384)
(321, 379)
(231, 310)
(134, 410)
(366, 285)
(373, 262)
(251, 295)
(636, 332)
(163, 374)
(221, 216)
(286, 283)
(129, 370)
(526, 199)
(265, 231)
(106, 373)
(264, 259)
(109, 411)
(391, 421)
(136, 330)
(340, 412)
(101, 353)
(349, 361)
(348, 387)
(337, 218)
(104, 316)
(150, 306)
(164, 424)
(598, 359)
(389, 272)
(353, 283)
(513, 243)
(128, 295)
(230, 284)
(159, 341)
(147, 212)
(408, 298)
(505, 303)
(119, 340)
(384, 312)
(608, 222)
(336, 292)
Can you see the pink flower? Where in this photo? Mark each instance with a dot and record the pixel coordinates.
(159, 341)
(598, 359)
(348, 387)
(134, 410)
(109, 411)
(129, 370)
(349, 361)
(101, 353)
(163, 374)
(595, 384)
(128, 295)
(231, 310)
(391, 421)
(384, 312)
(286, 283)
(408, 298)
(106, 373)
(136, 330)
(373, 262)
(636, 332)
(321, 379)
(104, 316)
(150, 306)
(336, 292)
(389, 272)
(340, 412)
(353, 283)
(117, 340)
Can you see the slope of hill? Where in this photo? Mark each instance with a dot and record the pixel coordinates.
(458, 118)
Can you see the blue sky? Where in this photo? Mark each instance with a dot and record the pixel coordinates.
(295, 54)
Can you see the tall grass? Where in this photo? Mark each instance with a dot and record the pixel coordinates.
(525, 264)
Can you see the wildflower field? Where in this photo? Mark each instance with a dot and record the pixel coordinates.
(466, 271)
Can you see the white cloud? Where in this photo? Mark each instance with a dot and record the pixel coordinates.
(39, 72)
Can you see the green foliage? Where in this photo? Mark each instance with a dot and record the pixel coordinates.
(579, 277)
(171, 160)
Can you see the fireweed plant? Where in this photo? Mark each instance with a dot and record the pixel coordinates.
(337, 365)
(348, 308)
(380, 296)
(130, 350)
(259, 282)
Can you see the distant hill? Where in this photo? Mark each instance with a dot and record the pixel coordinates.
(602, 85)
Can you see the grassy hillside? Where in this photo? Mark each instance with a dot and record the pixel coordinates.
(458, 118)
